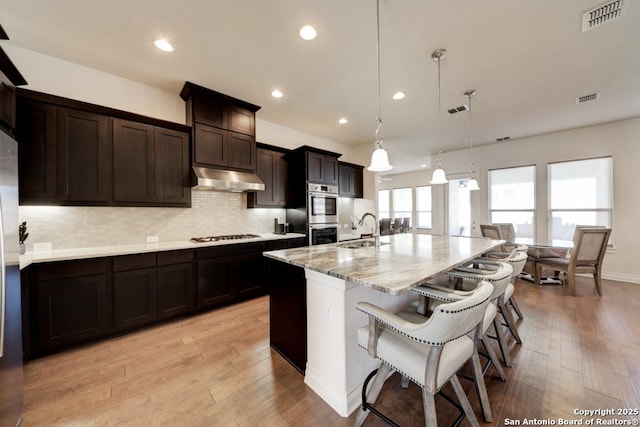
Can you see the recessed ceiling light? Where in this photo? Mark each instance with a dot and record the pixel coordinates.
(308, 32)
(163, 45)
(276, 93)
(343, 121)
(399, 95)
(424, 165)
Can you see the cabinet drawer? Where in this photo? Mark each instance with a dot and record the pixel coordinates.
(131, 262)
(174, 257)
(230, 249)
(76, 268)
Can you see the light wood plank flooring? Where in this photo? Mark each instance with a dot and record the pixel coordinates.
(217, 369)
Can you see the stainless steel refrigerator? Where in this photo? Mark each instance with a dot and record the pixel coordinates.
(11, 399)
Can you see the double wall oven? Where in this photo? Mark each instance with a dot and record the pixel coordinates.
(322, 213)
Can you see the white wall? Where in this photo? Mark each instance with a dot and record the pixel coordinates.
(616, 139)
(211, 213)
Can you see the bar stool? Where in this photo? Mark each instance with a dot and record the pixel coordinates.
(428, 351)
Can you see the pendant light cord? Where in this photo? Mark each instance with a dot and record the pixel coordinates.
(379, 118)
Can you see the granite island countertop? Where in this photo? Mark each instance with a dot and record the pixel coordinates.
(115, 250)
(403, 261)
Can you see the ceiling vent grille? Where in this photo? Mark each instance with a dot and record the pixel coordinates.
(586, 98)
(602, 14)
(457, 109)
(504, 138)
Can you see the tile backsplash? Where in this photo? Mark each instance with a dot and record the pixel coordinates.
(211, 213)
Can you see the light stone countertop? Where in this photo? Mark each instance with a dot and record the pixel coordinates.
(407, 261)
(115, 250)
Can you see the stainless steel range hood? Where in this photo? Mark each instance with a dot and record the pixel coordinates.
(226, 180)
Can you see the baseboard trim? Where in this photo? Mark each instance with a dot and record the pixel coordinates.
(621, 277)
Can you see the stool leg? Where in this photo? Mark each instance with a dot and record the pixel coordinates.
(511, 323)
(494, 358)
(429, 405)
(501, 342)
(515, 306)
(481, 387)
(404, 383)
(374, 391)
(464, 402)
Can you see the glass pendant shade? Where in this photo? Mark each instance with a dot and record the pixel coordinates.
(472, 185)
(379, 161)
(438, 177)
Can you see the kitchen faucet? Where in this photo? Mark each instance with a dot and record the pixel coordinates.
(376, 230)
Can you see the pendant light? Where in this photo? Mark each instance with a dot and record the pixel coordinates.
(379, 158)
(472, 184)
(439, 177)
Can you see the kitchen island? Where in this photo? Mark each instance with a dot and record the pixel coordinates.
(338, 276)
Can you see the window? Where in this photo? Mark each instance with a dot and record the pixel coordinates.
(580, 192)
(384, 205)
(423, 206)
(512, 195)
(402, 203)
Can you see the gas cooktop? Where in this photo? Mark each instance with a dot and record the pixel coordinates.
(208, 239)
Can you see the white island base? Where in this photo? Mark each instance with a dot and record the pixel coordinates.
(336, 366)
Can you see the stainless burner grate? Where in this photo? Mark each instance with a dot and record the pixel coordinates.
(208, 239)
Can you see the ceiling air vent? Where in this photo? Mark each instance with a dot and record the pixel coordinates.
(602, 14)
(586, 98)
(504, 138)
(457, 109)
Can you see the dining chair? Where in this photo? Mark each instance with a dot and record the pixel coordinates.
(406, 225)
(397, 226)
(507, 231)
(385, 226)
(590, 245)
(429, 351)
(491, 231)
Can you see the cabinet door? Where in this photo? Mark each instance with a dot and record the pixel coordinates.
(209, 112)
(71, 311)
(345, 184)
(265, 168)
(209, 145)
(134, 298)
(215, 281)
(251, 278)
(241, 120)
(242, 151)
(84, 156)
(172, 167)
(133, 162)
(314, 167)
(358, 182)
(36, 135)
(175, 290)
(329, 170)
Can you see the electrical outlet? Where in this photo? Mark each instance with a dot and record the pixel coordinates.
(153, 239)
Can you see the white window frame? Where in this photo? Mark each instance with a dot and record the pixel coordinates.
(418, 212)
(534, 213)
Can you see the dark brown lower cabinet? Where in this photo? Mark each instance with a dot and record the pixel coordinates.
(67, 303)
(71, 304)
(175, 290)
(215, 281)
(135, 298)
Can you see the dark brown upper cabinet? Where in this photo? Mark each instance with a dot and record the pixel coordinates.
(84, 156)
(322, 168)
(10, 77)
(351, 180)
(223, 129)
(272, 168)
(74, 153)
(150, 164)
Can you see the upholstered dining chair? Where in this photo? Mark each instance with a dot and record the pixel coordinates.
(428, 351)
(590, 245)
(397, 226)
(406, 225)
(507, 231)
(491, 231)
(385, 226)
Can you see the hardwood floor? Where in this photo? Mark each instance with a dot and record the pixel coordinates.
(217, 369)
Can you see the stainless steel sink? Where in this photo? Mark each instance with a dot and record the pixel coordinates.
(356, 244)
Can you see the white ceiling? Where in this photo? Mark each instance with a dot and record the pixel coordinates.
(527, 59)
